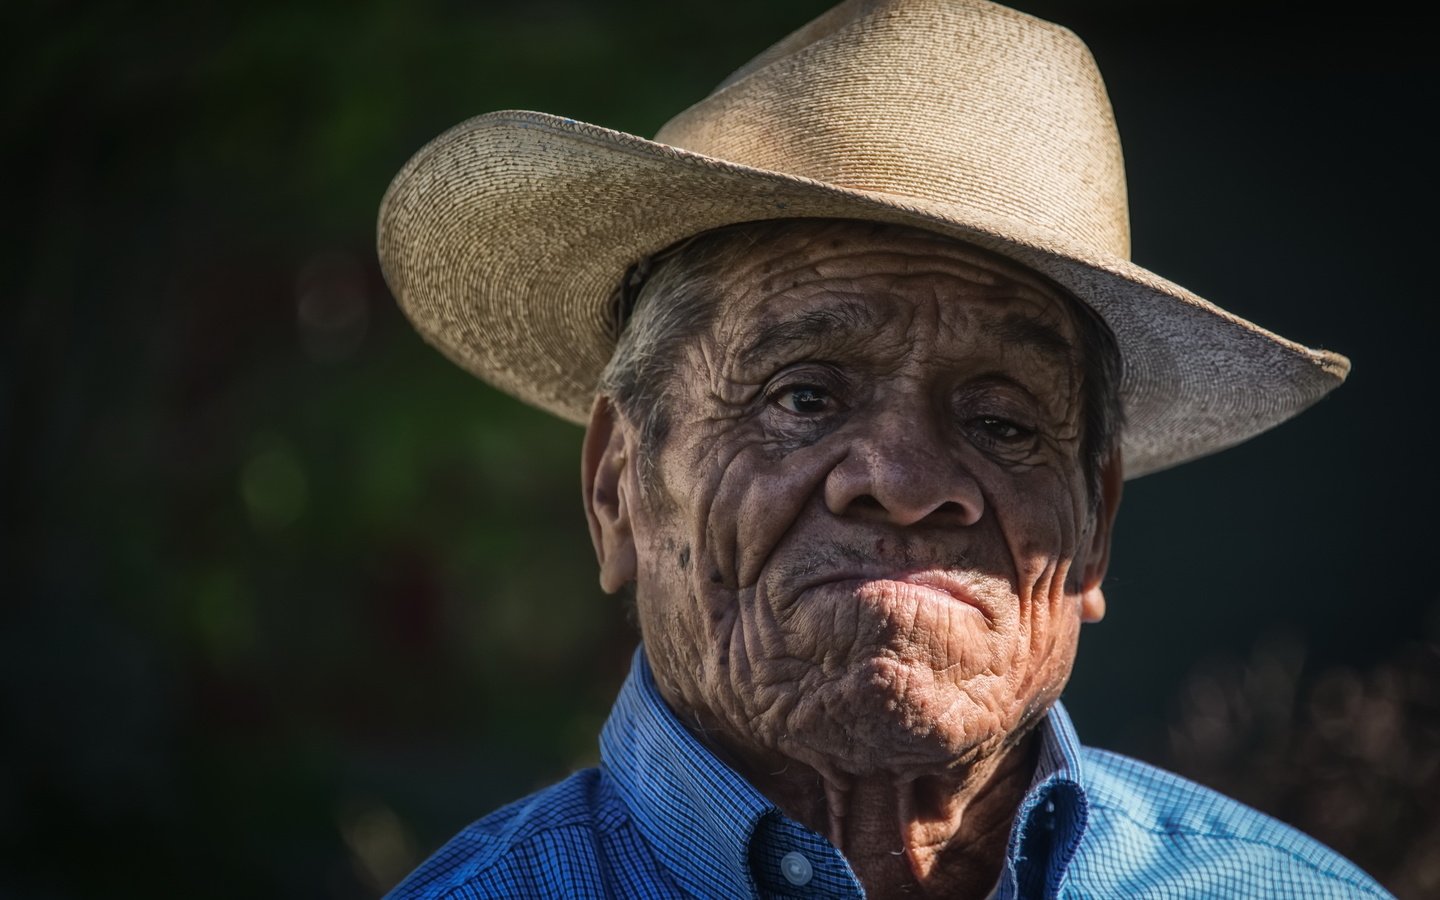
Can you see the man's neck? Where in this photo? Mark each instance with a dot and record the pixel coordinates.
(930, 836)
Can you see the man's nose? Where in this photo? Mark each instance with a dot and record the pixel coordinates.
(902, 471)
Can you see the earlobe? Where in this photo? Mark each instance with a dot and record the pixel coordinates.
(605, 462)
(1092, 605)
(1092, 598)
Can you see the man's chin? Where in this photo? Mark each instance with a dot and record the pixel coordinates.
(898, 717)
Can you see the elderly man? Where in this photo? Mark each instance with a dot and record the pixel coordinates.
(864, 365)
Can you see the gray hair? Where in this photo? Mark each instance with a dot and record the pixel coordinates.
(664, 303)
(670, 298)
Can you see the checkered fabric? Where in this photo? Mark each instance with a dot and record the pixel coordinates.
(662, 817)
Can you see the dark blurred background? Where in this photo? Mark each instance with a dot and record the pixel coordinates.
(288, 599)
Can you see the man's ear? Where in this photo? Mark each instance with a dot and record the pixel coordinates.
(604, 465)
(1097, 557)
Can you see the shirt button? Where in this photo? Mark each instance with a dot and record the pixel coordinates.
(796, 869)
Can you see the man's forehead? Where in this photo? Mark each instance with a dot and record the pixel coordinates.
(793, 284)
(839, 256)
(829, 322)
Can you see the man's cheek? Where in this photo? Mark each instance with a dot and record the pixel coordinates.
(1043, 540)
(760, 498)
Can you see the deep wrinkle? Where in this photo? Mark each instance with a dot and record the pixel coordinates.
(806, 333)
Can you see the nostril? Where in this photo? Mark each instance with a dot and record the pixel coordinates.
(953, 512)
(902, 488)
(866, 501)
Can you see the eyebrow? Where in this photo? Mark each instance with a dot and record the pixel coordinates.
(811, 327)
(1017, 328)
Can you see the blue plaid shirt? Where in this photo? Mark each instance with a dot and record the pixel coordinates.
(662, 817)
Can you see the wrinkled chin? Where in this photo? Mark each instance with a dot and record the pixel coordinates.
(896, 716)
(864, 676)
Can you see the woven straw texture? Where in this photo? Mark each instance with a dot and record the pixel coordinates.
(505, 238)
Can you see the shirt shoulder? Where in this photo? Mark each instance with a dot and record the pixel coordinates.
(1151, 833)
(572, 839)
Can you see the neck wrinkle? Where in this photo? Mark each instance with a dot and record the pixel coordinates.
(930, 835)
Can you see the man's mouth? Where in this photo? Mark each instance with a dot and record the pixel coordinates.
(928, 586)
(961, 590)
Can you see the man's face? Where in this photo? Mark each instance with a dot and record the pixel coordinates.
(867, 543)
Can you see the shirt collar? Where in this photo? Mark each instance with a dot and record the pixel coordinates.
(701, 817)
(695, 812)
(1052, 816)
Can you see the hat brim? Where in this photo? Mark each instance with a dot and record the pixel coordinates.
(505, 238)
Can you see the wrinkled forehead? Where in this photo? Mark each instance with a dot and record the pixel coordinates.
(818, 242)
(815, 275)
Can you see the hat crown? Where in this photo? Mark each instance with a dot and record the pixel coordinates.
(958, 102)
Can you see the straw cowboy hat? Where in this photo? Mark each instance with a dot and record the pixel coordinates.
(506, 238)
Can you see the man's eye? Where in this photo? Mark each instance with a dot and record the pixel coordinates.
(1001, 430)
(805, 400)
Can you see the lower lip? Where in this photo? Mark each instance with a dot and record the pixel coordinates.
(882, 588)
